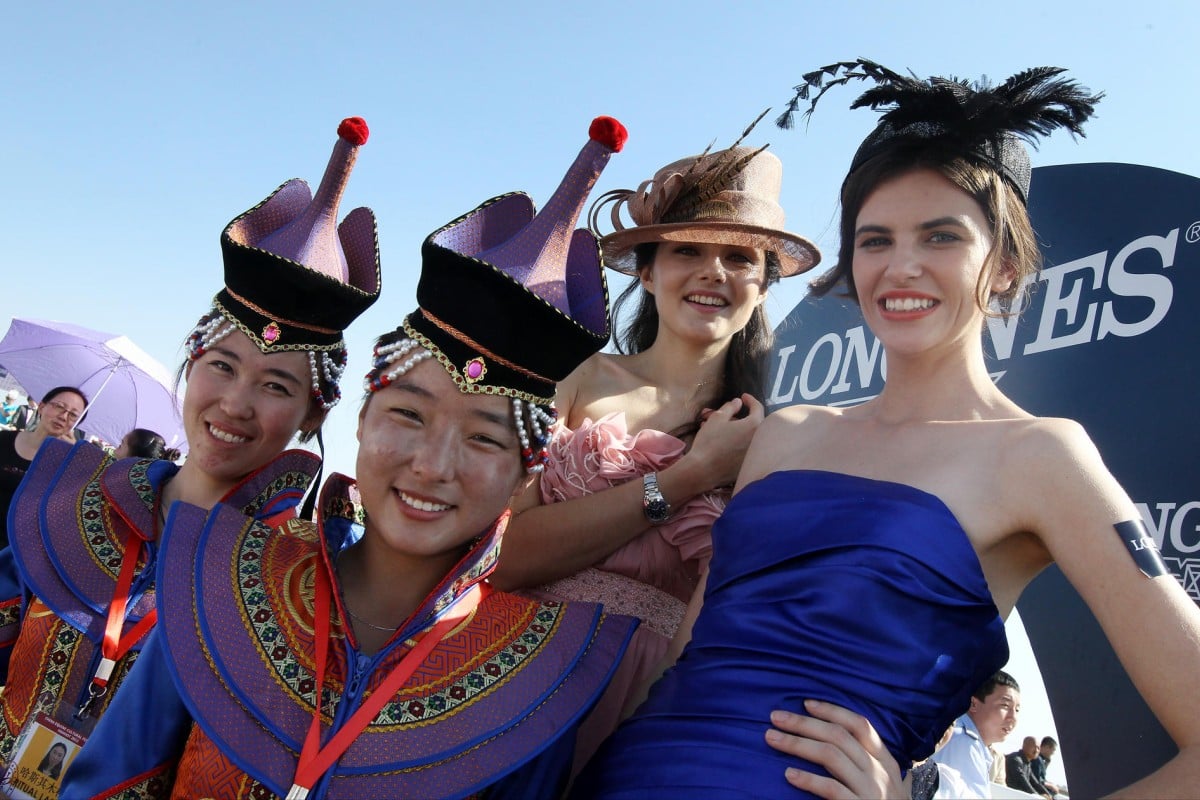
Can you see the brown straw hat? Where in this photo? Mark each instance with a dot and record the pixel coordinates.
(727, 197)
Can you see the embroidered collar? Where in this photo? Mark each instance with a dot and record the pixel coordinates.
(240, 638)
(134, 486)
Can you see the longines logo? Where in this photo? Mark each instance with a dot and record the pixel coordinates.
(1174, 529)
(1086, 300)
(1187, 572)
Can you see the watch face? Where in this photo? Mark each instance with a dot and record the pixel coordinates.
(657, 510)
(654, 505)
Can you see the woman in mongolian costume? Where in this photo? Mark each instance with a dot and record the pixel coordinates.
(375, 661)
(870, 554)
(263, 367)
(623, 513)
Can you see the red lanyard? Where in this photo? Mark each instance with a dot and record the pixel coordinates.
(114, 646)
(315, 760)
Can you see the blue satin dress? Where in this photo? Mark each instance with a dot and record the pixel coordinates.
(859, 592)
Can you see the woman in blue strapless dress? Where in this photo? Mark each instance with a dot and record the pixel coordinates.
(870, 554)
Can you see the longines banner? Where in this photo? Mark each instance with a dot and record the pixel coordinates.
(1110, 338)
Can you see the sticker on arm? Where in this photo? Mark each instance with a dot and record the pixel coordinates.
(1142, 547)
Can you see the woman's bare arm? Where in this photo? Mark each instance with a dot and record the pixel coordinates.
(544, 543)
(1153, 626)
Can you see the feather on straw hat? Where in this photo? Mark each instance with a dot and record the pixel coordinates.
(727, 197)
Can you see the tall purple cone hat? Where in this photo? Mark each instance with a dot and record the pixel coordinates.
(510, 301)
(294, 278)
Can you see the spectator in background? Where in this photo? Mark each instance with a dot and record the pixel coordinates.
(934, 781)
(989, 720)
(1018, 774)
(62, 408)
(999, 774)
(141, 443)
(27, 415)
(9, 408)
(1041, 764)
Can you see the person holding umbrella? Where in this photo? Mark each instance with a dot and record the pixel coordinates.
(263, 367)
(63, 410)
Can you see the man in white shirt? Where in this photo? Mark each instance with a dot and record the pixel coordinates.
(990, 719)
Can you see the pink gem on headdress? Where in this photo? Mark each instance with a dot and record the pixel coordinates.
(475, 369)
(271, 333)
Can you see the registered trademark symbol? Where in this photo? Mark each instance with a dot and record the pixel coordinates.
(1193, 233)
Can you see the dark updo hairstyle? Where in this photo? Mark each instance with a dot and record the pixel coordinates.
(1014, 245)
(746, 359)
(57, 390)
(145, 443)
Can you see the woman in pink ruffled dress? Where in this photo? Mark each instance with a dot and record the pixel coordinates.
(649, 439)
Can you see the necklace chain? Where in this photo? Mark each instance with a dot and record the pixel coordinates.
(337, 559)
(357, 618)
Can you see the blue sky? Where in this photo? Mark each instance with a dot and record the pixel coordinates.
(135, 131)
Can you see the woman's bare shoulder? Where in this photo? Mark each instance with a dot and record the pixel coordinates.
(781, 435)
(1055, 442)
(1059, 474)
(795, 415)
(597, 380)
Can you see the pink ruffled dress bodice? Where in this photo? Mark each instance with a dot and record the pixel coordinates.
(601, 454)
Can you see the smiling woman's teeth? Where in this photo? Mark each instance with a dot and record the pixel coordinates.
(225, 436)
(705, 300)
(907, 303)
(422, 505)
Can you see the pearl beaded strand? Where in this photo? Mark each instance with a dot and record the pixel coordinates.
(539, 419)
(388, 354)
(331, 370)
(211, 329)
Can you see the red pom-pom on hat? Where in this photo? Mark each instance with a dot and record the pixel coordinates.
(354, 130)
(608, 132)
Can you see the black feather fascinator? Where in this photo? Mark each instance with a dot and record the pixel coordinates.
(974, 119)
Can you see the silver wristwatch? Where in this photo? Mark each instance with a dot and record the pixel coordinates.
(654, 505)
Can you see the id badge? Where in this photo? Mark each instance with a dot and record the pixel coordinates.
(41, 754)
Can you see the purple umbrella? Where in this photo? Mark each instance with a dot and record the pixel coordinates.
(127, 388)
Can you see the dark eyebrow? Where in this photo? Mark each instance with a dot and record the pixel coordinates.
(941, 221)
(933, 223)
(502, 420)
(283, 374)
(226, 352)
(412, 388)
(275, 371)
